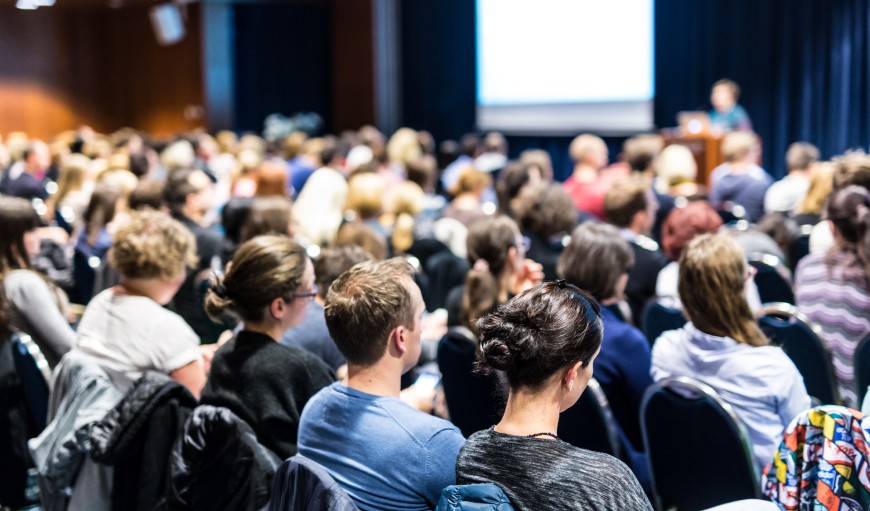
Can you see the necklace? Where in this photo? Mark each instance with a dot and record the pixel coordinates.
(535, 435)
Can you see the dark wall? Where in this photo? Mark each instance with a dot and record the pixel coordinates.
(282, 62)
(62, 67)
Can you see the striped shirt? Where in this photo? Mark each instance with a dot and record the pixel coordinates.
(836, 298)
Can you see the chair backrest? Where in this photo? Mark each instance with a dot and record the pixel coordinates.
(35, 375)
(474, 401)
(798, 337)
(658, 318)
(302, 485)
(770, 279)
(590, 424)
(697, 451)
(799, 248)
(862, 367)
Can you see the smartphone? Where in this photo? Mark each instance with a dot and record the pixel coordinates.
(427, 382)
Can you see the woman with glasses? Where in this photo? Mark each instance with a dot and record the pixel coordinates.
(268, 286)
(723, 346)
(545, 340)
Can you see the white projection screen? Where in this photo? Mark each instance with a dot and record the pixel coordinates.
(564, 66)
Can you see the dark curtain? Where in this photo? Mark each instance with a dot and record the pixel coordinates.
(282, 62)
(802, 66)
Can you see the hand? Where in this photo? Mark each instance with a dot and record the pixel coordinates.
(423, 400)
(530, 275)
(207, 351)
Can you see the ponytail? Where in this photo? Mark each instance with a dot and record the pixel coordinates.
(217, 302)
(403, 233)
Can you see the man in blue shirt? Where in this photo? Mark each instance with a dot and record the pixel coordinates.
(727, 115)
(385, 454)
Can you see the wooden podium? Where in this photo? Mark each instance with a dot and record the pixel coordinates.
(706, 148)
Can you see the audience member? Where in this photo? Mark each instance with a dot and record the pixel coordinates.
(682, 226)
(727, 115)
(809, 210)
(125, 328)
(188, 194)
(598, 261)
(37, 307)
(676, 173)
(364, 236)
(512, 180)
(268, 286)
(740, 180)
(631, 206)
(26, 178)
(585, 185)
(785, 194)
(385, 454)
(467, 203)
(311, 334)
(833, 287)
(546, 216)
(269, 215)
(723, 346)
(545, 340)
(319, 205)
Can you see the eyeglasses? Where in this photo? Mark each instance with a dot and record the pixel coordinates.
(307, 296)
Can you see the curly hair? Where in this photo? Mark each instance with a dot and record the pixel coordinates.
(152, 245)
(546, 209)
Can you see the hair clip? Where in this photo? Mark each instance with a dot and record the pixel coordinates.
(220, 290)
(560, 283)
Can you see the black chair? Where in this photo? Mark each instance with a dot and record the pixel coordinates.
(733, 215)
(302, 485)
(474, 401)
(658, 318)
(773, 285)
(799, 248)
(590, 424)
(862, 368)
(798, 337)
(689, 433)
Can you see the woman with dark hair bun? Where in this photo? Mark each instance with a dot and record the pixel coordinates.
(545, 340)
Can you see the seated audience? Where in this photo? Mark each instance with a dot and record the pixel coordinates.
(311, 334)
(723, 346)
(268, 215)
(512, 180)
(833, 287)
(682, 226)
(809, 210)
(785, 195)
(467, 203)
(545, 214)
(631, 206)
(740, 180)
(677, 172)
(268, 286)
(126, 328)
(584, 185)
(26, 178)
(385, 454)
(545, 340)
(598, 261)
(37, 306)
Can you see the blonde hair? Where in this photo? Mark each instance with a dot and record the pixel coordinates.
(821, 186)
(584, 146)
(150, 244)
(471, 180)
(712, 281)
(738, 145)
(676, 164)
(404, 202)
(404, 146)
(365, 195)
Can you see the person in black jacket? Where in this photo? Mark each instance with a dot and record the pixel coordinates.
(268, 285)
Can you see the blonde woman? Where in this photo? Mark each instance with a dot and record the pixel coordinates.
(723, 346)
(126, 328)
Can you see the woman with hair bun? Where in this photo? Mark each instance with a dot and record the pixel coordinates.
(545, 340)
(268, 285)
(833, 287)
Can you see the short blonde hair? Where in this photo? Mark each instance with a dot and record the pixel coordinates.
(365, 195)
(584, 146)
(152, 245)
(471, 180)
(676, 164)
(738, 144)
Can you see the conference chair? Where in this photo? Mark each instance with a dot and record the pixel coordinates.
(659, 318)
(590, 424)
(799, 338)
(862, 368)
(770, 278)
(474, 401)
(799, 248)
(697, 450)
(35, 375)
(302, 485)
(733, 215)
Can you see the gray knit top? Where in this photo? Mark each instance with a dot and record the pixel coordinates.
(543, 474)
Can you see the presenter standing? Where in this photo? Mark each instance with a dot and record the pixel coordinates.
(727, 115)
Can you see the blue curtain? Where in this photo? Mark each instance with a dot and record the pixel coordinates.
(802, 66)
